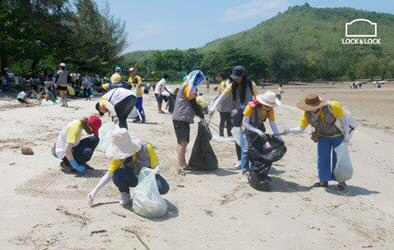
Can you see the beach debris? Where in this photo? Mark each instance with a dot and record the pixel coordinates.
(98, 231)
(118, 214)
(81, 218)
(136, 235)
(27, 150)
(11, 163)
(208, 212)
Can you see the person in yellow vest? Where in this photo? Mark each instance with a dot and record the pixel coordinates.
(128, 155)
(116, 77)
(322, 116)
(136, 82)
(225, 108)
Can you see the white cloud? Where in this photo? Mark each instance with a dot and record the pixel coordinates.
(261, 8)
(147, 30)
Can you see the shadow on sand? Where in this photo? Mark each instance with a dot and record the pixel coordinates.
(350, 191)
(172, 211)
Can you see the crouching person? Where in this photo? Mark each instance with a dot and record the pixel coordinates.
(74, 152)
(128, 156)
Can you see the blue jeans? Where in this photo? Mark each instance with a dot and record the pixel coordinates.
(84, 150)
(326, 157)
(244, 151)
(124, 178)
(140, 108)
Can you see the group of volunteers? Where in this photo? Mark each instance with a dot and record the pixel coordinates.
(239, 105)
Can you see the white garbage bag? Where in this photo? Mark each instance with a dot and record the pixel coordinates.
(236, 132)
(343, 169)
(134, 113)
(147, 200)
(105, 135)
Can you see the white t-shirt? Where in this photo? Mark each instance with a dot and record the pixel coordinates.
(61, 142)
(160, 86)
(118, 95)
(21, 95)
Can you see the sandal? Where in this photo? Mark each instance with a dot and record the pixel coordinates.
(341, 186)
(321, 184)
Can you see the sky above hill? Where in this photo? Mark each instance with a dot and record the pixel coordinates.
(183, 24)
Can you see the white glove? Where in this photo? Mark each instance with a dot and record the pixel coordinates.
(115, 119)
(261, 133)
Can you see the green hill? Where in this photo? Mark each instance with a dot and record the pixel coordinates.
(304, 43)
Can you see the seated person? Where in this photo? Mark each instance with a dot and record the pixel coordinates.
(22, 96)
(128, 155)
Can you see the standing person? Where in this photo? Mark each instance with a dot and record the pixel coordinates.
(279, 92)
(74, 152)
(159, 88)
(87, 86)
(136, 82)
(128, 156)
(240, 91)
(118, 102)
(322, 116)
(116, 77)
(225, 108)
(185, 109)
(207, 82)
(255, 114)
(62, 80)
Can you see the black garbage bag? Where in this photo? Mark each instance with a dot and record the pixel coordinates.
(263, 151)
(267, 148)
(171, 104)
(203, 157)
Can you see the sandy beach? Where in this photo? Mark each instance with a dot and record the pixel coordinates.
(44, 208)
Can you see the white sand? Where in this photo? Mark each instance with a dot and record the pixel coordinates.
(43, 208)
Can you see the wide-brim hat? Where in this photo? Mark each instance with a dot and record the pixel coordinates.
(62, 65)
(122, 145)
(269, 99)
(312, 102)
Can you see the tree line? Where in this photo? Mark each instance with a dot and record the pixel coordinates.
(36, 35)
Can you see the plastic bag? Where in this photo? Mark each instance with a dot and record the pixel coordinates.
(134, 113)
(343, 169)
(70, 91)
(105, 135)
(147, 200)
(236, 132)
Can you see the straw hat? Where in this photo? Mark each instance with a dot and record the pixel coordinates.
(311, 102)
(269, 99)
(122, 145)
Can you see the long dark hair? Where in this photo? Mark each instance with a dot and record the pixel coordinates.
(235, 86)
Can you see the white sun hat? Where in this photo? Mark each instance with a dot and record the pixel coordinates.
(269, 99)
(123, 145)
(62, 65)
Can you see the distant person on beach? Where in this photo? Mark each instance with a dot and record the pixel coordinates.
(225, 108)
(239, 92)
(116, 77)
(119, 102)
(279, 92)
(159, 89)
(62, 81)
(136, 82)
(128, 156)
(74, 152)
(22, 96)
(322, 116)
(185, 109)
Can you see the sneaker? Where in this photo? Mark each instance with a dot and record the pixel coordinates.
(124, 198)
(237, 165)
(66, 168)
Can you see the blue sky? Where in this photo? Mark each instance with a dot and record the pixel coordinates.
(182, 24)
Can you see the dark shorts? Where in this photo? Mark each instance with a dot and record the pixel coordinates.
(21, 100)
(159, 98)
(62, 88)
(182, 131)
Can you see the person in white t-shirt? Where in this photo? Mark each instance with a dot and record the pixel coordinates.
(22, 96)
(119, 102)
(159, 89)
